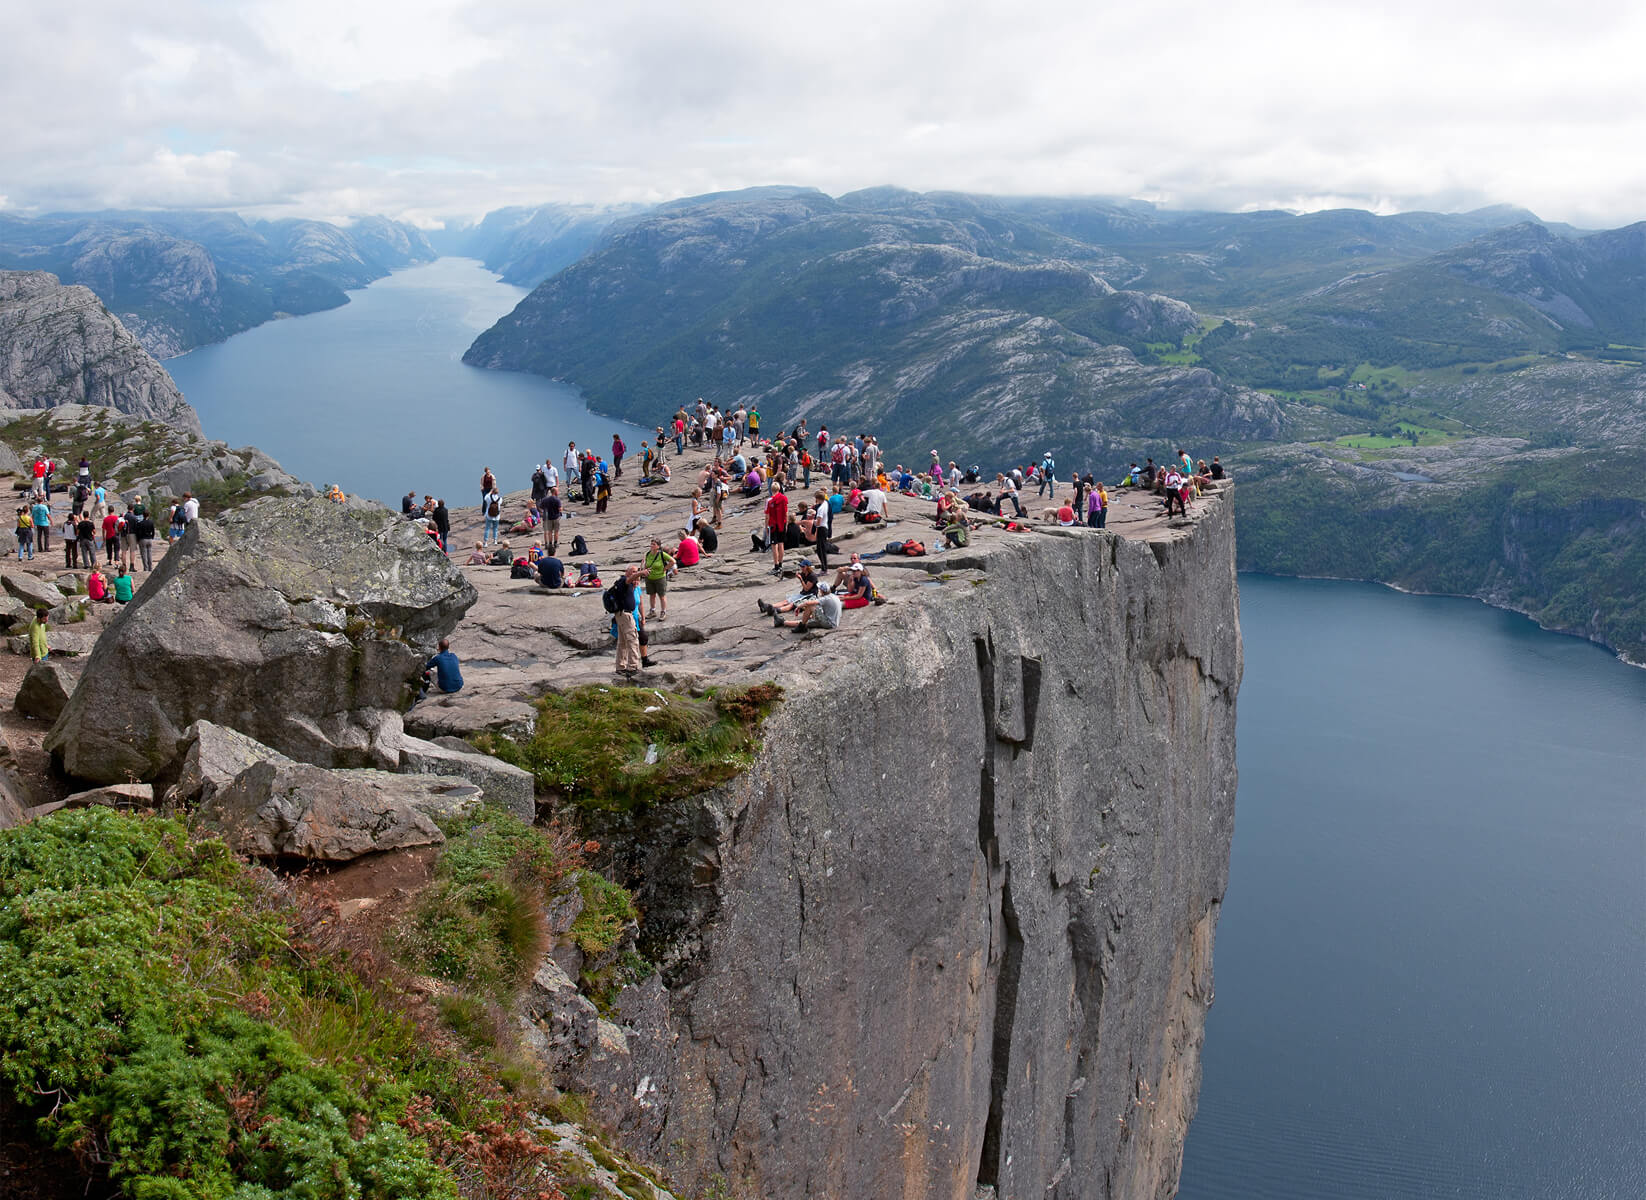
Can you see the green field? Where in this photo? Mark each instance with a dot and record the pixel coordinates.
(1417, 435)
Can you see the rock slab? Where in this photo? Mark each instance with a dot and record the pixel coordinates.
(278, 810)
(297, 622)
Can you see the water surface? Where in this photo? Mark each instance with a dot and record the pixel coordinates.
(374, 396)
(1431, 963)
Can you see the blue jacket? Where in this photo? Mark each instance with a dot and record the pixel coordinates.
(446, 675)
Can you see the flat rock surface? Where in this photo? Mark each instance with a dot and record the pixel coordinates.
(521, 639)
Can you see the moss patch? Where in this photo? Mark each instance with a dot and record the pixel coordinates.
(615, 748)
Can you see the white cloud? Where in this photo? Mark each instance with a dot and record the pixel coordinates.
(425, 107)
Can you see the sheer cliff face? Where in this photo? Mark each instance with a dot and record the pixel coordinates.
(59, 345)
(954, 931)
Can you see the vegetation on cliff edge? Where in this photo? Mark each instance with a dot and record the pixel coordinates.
(616, 748)
(190, 1026)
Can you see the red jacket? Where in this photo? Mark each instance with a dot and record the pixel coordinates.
(777, 511)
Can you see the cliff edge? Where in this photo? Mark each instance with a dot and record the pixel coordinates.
(950, 934)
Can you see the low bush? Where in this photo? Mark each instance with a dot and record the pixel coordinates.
(619, 748)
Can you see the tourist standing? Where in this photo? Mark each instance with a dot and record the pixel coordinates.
(488, 484)
(144, 531)
(623, 600)
(40, 514)
(491, 507)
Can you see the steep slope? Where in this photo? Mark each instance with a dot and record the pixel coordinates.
(60, 345)
(527, 245)
(936, 326)
(184, 279)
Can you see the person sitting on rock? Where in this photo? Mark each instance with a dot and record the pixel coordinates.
(442, 671)
(502, 556)
(809, 585)
(859, 587)
(551, 572)
(97, 587)
(821, 611)
(123, 587)
(477, 557)
(689, 552)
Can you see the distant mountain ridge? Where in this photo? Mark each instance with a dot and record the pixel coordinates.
(184, 279)
(1455, 376)
(526, 245)
(60, 345)
(870, 317)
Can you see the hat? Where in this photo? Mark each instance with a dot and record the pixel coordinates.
(857, 566)
(823, 589)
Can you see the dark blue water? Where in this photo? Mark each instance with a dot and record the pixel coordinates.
(1431, 963)
(374, 396)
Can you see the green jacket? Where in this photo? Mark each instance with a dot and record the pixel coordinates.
(37, 641)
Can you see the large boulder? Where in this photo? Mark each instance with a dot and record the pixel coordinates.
(278, 810)
(504, 784)
(213, 757)
(31, 589)
(46, 689)
(298, 622)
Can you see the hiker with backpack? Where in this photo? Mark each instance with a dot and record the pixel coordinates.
(491, 507)
(621, 600)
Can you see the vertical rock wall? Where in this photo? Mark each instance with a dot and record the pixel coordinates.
(954, 930)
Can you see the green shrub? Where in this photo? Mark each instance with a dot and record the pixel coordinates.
(618, 748)
(607, 908)
(161, 1000)
(480, 923)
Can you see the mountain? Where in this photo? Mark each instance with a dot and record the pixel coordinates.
(184, 279)
(1515, 291)
(937, 322)
(527, 245)
(1494, 352)
(60, 345)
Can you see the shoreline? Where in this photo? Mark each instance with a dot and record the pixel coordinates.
(1395, 587)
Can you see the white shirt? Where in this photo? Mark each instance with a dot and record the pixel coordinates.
(570, 462)
(553, 474)
(874, 501)
(191, 510)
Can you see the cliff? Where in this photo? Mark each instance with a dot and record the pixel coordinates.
(953, 925)
(963, 905)
(59, 345)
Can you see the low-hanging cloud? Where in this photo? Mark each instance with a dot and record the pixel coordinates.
(430, 107)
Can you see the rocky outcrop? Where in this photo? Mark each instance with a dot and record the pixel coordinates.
(138, 456)
(299, 623)
(951, 935)
(280, 810)
(60, 345)
(46, 689)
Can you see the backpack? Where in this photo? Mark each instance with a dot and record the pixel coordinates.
(494, 509)
(579, 546)
(608, 600)
(520, 570)
(914, 549)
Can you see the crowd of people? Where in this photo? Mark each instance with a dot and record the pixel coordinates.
(809, 482)
(109, 538)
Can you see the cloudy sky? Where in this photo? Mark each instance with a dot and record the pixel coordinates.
(425, 108)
